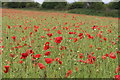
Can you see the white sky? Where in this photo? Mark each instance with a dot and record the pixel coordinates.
(70, 1)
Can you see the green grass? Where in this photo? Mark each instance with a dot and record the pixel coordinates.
(46, 20)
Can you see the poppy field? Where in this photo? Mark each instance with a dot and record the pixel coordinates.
(38, 44)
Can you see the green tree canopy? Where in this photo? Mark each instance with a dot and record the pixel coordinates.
(76, 5)
(114, 5)
(50, 4)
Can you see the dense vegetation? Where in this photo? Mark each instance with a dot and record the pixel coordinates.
(58, 45)
(89, 8)
(50, 44)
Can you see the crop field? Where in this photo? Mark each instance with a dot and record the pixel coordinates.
(38, 44)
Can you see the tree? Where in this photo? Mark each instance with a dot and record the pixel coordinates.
(48, 4)
(16, 4)
(97, 5)
(114, 5)
(32, 5)
(21, 4)
(76, 5)
(61, 5)
(93, 4)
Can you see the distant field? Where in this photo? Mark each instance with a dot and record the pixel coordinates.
(91, 12)
(38, 44)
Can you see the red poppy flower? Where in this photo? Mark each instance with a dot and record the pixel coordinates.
(65, 23)
(23, 38)
(41, 66)
(57, 59)
(46, 47)
(68, 73)
(89, 56)
(94, 27)
(35, 30)
(117, 69)
(70, 32)
(47, 53)
(112, 55)
(98, 28)
(118, 52)
(76, 68)
(119, 36)
(14, 38)
(31, 33)
(117, 77)
(59, 32)
(62, 48)
(36, 27)
(25, 44)
(48, 60)
(24, 55)
(49, 34)
(37, 56)
(80, 60)
(25, 28)
(103, 57)
(75, 39)
(54, 27)
(105, 39)
(70, 38)
(107, 55)
(60, 62)
(20, 62)
(91, 59)
(12, 55)
(9, 27)
(113, 43)
(7, 69)
(81, 55)
(20, 47)
(30, 51)
(89, 36)
(47, 43)
(91, 46)
(109, 31)
(92, 53)
(100, 40)
(81, 37)
(42, 36)
(99, 35)
(80, 34)
(0, 52)
(58, 39)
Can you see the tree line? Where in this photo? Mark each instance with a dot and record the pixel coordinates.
(62, 5)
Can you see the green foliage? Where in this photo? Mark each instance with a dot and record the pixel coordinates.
(109, 13)
(33, 5)
(97, 5)
(0, 4)
(61, 5)
(89, 8)
(20, 4)
(54, 5)
(114, 5)
(4, 4)
(14, 4)
(88, 5)
(49, 5)
(76, 5)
